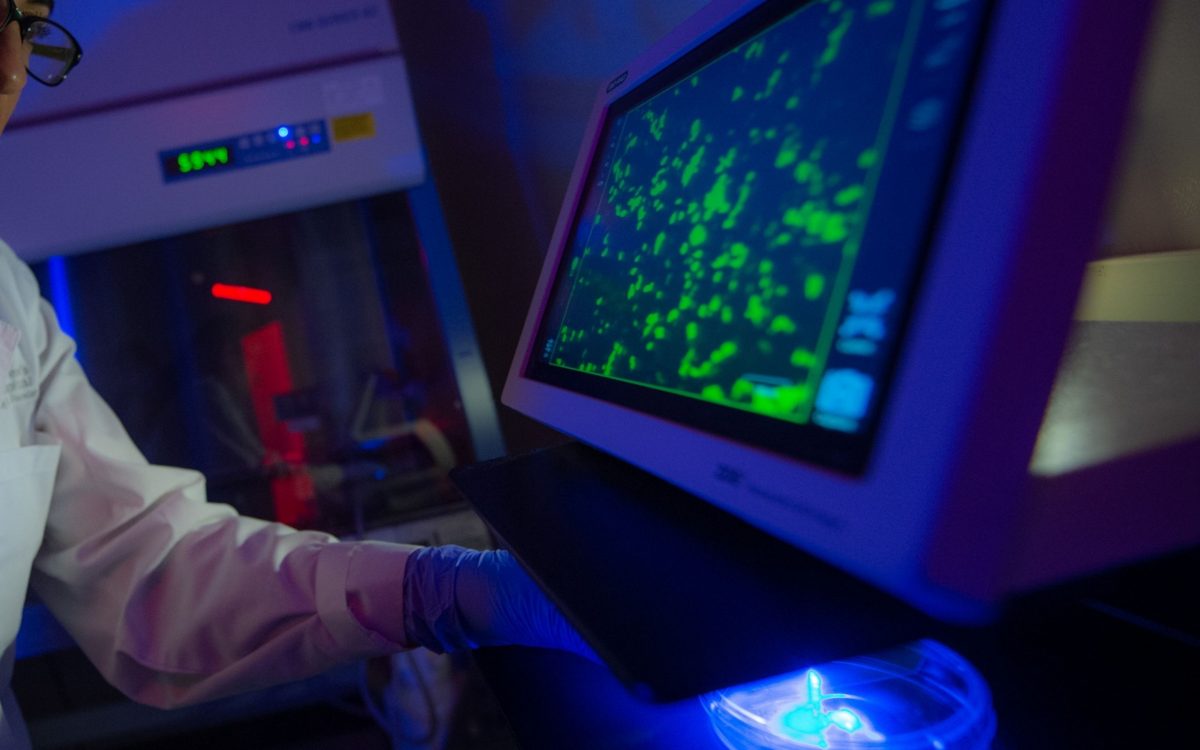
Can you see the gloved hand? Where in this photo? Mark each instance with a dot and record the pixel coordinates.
(457, 598)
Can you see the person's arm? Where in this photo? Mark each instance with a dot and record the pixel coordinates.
(173, 598)
(178, 600)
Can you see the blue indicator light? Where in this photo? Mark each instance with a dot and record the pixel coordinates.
(283, 132)
(316, 138)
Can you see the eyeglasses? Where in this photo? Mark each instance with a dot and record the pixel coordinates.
(51, 52)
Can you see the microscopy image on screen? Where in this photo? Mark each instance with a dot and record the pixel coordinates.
(718, 239)
(748, 239)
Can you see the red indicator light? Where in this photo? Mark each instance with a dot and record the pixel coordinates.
(291, 145)
(304, 141)
(241, 294)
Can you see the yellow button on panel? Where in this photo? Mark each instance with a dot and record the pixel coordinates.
(353, 127)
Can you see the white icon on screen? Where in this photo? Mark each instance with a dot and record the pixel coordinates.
(845, 393)
(865, 318)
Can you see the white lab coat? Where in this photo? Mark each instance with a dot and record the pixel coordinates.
(173, 598)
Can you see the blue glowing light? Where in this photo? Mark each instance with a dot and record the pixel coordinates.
(809, 721)
(283, 131)
(921, 695)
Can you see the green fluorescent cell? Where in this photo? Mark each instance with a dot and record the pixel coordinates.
(738, 253)
(659, 184)
(788, 153)
(755, 49)
(880, 8)
(814, 286)
(716, 200)
(742, 390)
(803, 358)
(833, 43)
(651, 321)
(693, 167)
(696, 128)
(781, 400)
(848, 195)
(673, 315)
(772, 82)
(783, 324)
(835, 228)
(744, 193)
(756, 311)
(798, 217)
(699, 235)
(713, 392)
(657, 124)
(685, 365)
(726, 161)
(610, 363)
(868, 158)
(793, 102)
(738, 93)
(693, 331)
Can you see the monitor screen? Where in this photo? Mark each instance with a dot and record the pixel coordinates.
(753, 224)
(817, 263)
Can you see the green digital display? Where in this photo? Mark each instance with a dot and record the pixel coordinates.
(188, 162)
(195, 161)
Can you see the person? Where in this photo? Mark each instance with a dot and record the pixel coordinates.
(173, 598)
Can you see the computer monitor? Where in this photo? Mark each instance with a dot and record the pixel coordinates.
(817, 261)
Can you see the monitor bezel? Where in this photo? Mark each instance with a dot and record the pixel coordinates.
(934, 517)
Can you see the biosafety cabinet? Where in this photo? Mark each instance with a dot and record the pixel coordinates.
(206, 153)
(229, 207)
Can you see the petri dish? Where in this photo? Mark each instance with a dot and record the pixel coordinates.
(920, 696)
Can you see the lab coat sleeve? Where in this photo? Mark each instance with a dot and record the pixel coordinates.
(173, 598)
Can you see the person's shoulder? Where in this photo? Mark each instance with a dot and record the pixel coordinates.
(17, 282)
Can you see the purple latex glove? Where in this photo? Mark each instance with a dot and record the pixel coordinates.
(456, 598)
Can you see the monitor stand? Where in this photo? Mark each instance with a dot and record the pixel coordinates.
(677, 596)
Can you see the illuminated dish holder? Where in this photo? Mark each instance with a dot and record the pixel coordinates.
(922, 696)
